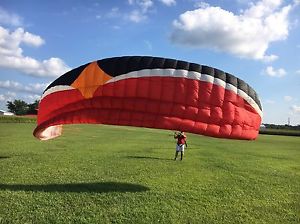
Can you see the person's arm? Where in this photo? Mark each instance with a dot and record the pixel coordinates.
(185, 141)
(175, 135)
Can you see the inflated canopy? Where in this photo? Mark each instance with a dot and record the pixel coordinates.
(151, 92)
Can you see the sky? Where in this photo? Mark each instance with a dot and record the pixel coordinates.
(257, 41)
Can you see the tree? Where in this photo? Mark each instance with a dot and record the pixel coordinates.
(18, 107)
(11, 106)
(32, 107)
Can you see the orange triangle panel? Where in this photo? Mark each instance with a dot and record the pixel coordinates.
(90, 79)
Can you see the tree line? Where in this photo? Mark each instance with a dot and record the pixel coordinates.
(20, 107)
(282, 127)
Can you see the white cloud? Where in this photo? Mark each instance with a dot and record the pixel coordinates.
(32, 98)
(288, 98)
(145, 5)
(9, 96)
(270, 71)
(270, 102)
(36, 88)
(10, 42)
(168, 2)
(29, 39)
(9, 84)
(201, 4)
(247, 35)
(141, 11)
(298, 71)
(295, 109)
(136, 16)
(9, 18)
(11, 54)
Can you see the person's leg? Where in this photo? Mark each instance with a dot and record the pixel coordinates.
(176, 154)
(181, 152)
(177, 150)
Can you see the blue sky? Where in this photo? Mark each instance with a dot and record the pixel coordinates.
(258, 41)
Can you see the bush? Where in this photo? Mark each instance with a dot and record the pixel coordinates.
(17, 119)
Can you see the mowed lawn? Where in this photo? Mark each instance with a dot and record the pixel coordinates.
(111, 174)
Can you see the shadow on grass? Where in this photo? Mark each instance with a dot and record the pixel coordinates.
(77, 187)
(146, 157)
(4, 157)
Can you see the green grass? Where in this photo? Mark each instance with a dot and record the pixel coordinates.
(111, 174)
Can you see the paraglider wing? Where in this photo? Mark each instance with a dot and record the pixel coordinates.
(151, 92)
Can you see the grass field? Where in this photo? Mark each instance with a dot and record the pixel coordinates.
(111, 174)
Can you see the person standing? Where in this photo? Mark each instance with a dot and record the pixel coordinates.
(181, 143)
